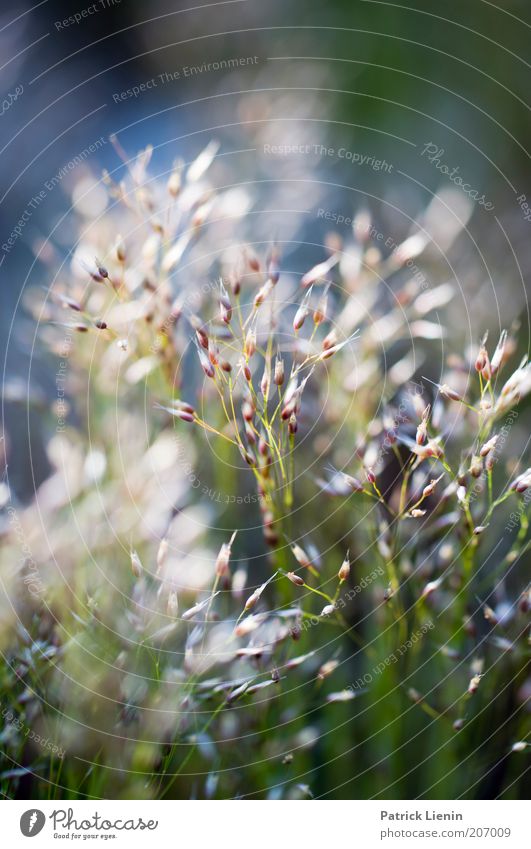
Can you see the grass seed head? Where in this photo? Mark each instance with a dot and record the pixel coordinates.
(300, 556)
(222, 560)
(447, 392)
(499, 354)
(344, 569)
(330, 340)
(327, 668)
(278, 376)
(473, 684)
(295, 579)
(162, 553)
(173, 605)
(482, 357)
(487, 447)
(319, 313)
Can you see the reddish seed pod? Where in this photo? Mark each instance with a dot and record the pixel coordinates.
(300, 556)
(248, 457)
(176, 311)
(100, 324)
(522, 484)
(287, 411)
(263, 447)
(202, 338)
(430, 488)
(447, 392)
(371, 477)
(295, 579)
(422, 432)
(266, 381)
(225, 305)
(162, 553)
(172, 607)
(213, 355)
(319, 313)
(206, 365)
(481, 359)
(274, 273)
(200, 331)
(486, 371)
(222, 560)
(300, 317)
(292, 424)
(279, 372)
(489, 615)
(469, 627)
(120, 250)
(250, 343)
(225, 365)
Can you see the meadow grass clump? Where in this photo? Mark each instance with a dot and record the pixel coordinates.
(280, 553)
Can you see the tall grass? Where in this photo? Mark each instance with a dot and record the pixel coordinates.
(281, 550)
